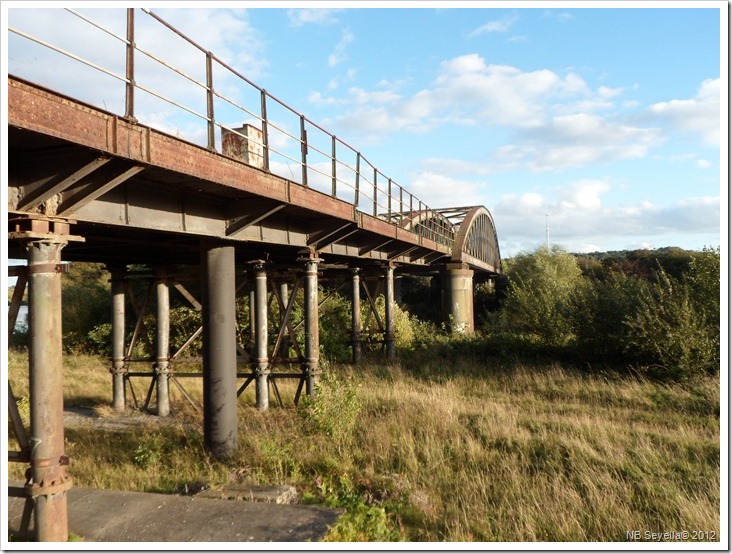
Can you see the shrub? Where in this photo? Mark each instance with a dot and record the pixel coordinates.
(335, 408)
(671, 331)
(86, 301)
(601, 309)
(541, 288)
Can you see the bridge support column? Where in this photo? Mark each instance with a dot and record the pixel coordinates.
(261, 354)
(356, 315)
(390, 328)
(219, 349)
(285, 295)
(162, 344)
(119, 400)
(457, 298)
(312, 330)
(48, 480)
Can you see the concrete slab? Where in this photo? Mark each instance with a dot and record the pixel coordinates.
(117, 516)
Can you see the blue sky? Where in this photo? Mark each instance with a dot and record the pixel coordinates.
(605, 123)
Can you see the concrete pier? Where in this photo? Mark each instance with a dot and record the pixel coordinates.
(219, 350)
(457, 298)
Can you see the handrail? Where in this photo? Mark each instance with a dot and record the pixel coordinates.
(290, 138)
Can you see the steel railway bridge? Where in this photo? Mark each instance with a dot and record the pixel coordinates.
(222, 208)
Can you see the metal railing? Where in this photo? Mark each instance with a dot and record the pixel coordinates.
(322, 160)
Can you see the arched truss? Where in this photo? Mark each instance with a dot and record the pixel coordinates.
(431, 224)
(476, 241)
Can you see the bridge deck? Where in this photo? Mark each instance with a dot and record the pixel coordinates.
(139, 194)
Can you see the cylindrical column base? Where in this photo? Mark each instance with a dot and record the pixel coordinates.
(220, 423)
(390, 327)
(163, 347)
(356, 346)
(312, 330)
(48, 477)
(119, 400)
(261, 336)
(457, 298)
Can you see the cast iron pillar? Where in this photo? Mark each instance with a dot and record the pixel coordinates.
(285, 295)
(356, 315)
(252, 314)
(48, 479)
(261, 355)
(389, 331)
(162, 344)
(312, 331)
(457, 298)
(119, 369)
(219, 349)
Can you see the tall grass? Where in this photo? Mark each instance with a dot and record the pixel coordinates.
(460, 451)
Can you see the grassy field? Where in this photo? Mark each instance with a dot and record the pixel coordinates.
(470, 451)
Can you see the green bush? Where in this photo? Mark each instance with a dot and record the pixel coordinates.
(671, 331)
(539, 300)
(335, 408)
(601, 308)
(87, 303)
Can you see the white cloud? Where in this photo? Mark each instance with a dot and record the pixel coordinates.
(469, 92)
(576, 217)
(339, 53)
(439, 191)
(700, 114)
(496, 26)
(577, 140)
(583, 195)
(703, 164)
(319, 16)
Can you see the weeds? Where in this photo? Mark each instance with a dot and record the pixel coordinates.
(460, 449)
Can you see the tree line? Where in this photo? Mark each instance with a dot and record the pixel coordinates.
(652, 312)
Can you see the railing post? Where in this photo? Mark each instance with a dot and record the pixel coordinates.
(333, 166)
(376, 194)
(265, 131)
(210, 102)
(304, 150)
(388, 201)
(358, 176)
(401, 206)
(130, 66)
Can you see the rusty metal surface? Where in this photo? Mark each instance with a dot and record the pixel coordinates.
(219, 171)
(48, 477)
(213, 172)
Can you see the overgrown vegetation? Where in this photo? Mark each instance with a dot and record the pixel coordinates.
(645, 321)
(585, 407)
(460, 450)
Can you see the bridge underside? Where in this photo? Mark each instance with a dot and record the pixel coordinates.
(86, 185)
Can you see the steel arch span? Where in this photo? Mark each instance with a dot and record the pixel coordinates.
(476, 239)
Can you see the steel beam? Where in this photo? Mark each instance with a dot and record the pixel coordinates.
(219, 349)
(119, 368)
(261, 353)
(162, 344)
(49, 480)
